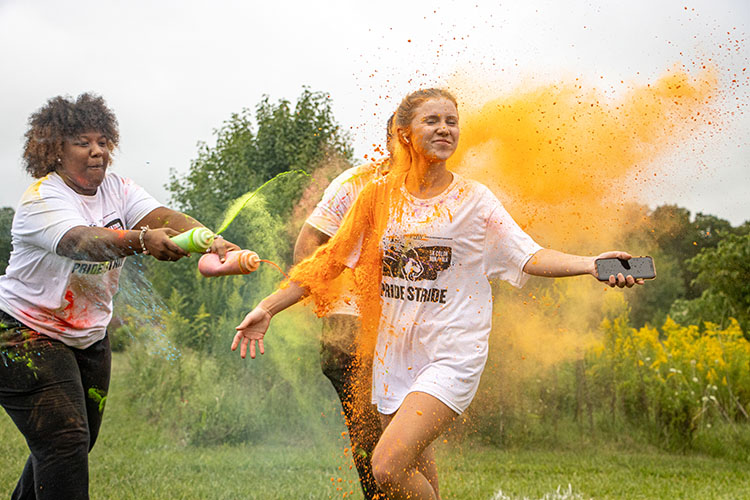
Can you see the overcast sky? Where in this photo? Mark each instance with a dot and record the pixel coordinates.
(174, 71)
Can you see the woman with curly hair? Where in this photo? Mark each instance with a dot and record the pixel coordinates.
(422, 243)
(71, 233)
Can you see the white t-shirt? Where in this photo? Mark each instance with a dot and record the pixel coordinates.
(328, 215)
(69, 300)
(438, 255)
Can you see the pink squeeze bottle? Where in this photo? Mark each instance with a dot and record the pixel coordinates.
(237, 262)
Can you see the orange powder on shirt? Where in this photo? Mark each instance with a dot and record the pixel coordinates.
(565, 161)
(357, 240)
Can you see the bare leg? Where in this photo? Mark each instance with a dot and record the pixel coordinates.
(425, 462)
(403, 461)
(428, 467)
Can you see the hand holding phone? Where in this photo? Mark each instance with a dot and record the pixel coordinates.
(637, 267)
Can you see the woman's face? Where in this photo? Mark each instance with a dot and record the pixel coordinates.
(434, 129)
(84, 162)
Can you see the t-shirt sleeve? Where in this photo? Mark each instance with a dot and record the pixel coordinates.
(137, 203)
(507, 247)
(45, 219)
(333, 206)
(357, 224)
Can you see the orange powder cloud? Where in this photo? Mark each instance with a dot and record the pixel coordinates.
(566, 159)
(568, 162)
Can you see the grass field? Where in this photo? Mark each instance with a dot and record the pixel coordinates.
(135, 460)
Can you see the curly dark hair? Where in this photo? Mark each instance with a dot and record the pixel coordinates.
(62, 118)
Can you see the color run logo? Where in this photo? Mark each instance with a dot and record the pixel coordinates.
(415, 264)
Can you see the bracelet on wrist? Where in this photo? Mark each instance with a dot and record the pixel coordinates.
(140, 239)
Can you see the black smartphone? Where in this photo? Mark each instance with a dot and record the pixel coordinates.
(637, 267)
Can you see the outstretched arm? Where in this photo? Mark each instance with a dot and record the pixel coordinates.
(253, 328)
(100, 244)
(553, 264)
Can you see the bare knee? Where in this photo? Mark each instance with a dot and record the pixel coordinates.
(387, 474)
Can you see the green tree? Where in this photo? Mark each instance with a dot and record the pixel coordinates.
(723, 271)
(195, 316)
(676, 235)
(250, 149)
(248, 152)
(6, 220)
(672, 238)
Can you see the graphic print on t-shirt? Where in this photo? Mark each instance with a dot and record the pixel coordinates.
(415, 258)
(115, 224)
(85, 267)
(404, 259)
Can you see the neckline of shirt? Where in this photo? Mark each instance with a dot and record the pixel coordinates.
(84, 197)
(434, 199)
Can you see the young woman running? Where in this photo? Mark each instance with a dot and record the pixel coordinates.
(422, 243)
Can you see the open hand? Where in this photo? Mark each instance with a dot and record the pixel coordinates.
(253, 328)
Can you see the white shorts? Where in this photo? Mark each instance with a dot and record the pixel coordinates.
(447, 365)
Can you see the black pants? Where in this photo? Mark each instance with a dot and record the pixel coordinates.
(55, 395)
(338, 362)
